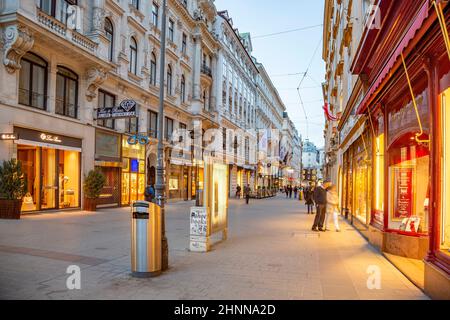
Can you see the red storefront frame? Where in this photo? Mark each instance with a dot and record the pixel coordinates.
(428, 42)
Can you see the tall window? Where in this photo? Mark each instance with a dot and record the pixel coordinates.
(33, 82)
(183, 129)
(169, 80)
(184, 44)
(135, 4)
(132, 125)
(57, 8)
(106, 100)
(109, 31)
(168, 129)
(66, 92)
(183, 89)
(153, 69)
(133, 55)
(171, 29)
(152, 124)
(155, 13)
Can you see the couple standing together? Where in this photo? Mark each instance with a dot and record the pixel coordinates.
(327, 202)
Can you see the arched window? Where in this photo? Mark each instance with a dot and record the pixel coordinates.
(133, 55)
(33, 81)
(183, 89)
(169, 80)
(109, 31)
(66, 92)
(153, 69)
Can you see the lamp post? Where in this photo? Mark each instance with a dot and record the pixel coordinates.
(160, 186)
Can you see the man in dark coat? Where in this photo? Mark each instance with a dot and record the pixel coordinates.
(308, 193)
(320, 198)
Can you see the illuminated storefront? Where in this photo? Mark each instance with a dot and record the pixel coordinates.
(406, 102)
(51, 164)
(133, 171)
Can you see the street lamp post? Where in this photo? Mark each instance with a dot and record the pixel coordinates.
(160, 183)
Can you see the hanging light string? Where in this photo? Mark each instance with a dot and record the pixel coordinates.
(414, 104)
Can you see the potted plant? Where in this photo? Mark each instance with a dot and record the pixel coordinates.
(13, 187)
(94, 182)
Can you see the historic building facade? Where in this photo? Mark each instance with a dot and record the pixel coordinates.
(66, 61)
(237, 103)
(269, 124)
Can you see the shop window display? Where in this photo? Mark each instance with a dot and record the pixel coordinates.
(133, 172)
(409, 179)
(53, 178)
(409, 160)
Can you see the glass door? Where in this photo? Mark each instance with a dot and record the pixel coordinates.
(49, 179)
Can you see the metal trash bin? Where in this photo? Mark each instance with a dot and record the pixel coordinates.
(145, 239)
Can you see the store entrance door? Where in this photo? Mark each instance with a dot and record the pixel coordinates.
(50, 185)
(110, 195)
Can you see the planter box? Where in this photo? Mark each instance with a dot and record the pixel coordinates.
(90, 204)
(10, 209)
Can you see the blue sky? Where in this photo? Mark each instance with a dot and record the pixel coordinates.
(287, 53)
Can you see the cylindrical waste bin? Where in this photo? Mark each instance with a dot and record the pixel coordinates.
(145, 239)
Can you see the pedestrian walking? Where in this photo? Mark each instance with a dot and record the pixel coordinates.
(238, 191)
(149, 193)
(295, 192)
(332, 207)
(308, 194)
(247, 193)
(320, 199)
(286, 189)
(290, 191)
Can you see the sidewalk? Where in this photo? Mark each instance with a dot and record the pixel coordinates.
(271, 253)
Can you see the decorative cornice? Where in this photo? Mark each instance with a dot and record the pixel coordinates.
(17, 40)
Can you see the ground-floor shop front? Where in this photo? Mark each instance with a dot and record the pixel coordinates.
(52, 167)
(407, 180)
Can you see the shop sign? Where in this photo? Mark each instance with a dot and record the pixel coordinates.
(107, 145)
(50, 138)
(9, 136)
(403, 193)
(126, 109)
(138, 138)
(45, 137)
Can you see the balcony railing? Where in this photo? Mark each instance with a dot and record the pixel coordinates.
(61, 29)
(206, 70)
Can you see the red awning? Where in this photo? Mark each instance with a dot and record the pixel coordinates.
(415, 26)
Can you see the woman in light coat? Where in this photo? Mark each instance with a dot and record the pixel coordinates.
(332, 207)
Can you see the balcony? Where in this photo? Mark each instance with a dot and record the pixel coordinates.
(63, 31)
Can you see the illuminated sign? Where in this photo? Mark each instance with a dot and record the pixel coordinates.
(9, 136)
(126, 109)
(50, 138)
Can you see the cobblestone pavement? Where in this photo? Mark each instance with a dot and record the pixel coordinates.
(271, 253)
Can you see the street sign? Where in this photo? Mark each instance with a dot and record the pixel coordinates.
(126, 109)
